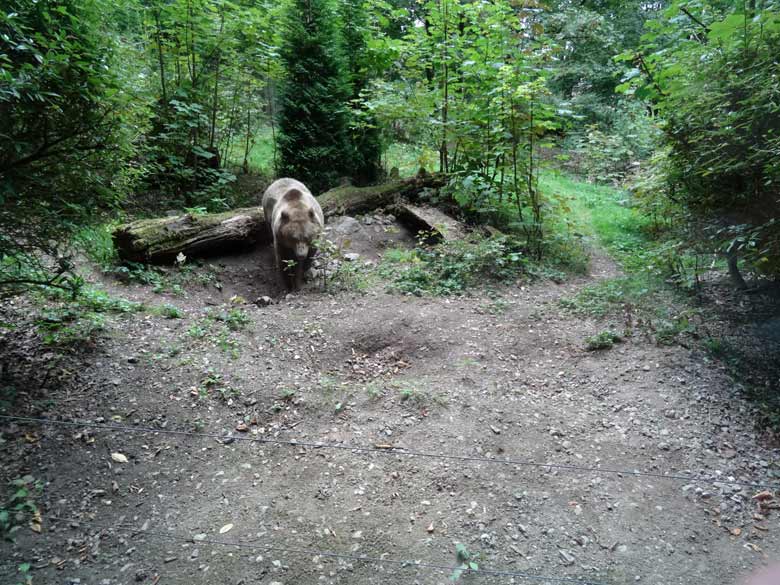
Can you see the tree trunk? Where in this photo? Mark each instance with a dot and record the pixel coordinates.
(160, 240)
(736, 276)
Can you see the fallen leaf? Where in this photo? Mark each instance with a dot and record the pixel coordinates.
(735, 531)
(753, 547)
(241, 427)
(430, 527)
(118, 457)
(225, 528)
(36, 522)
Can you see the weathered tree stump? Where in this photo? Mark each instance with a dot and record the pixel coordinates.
(162, 239)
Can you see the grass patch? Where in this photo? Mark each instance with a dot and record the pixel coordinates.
(168, 311)
(409, 158)
(602, 340)
(603, 213)
(69, 321)
(606, 297)
(452, 268)
(261, 154)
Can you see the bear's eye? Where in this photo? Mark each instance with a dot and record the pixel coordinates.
(285, 217)
(311, 214)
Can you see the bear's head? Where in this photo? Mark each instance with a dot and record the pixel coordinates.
(298, 227)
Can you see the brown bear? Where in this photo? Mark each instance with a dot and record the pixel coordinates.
(295, 220)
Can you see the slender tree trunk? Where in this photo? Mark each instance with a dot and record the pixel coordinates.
(160, 57)
(443, 166)
(248, 142)
(215, 96)
(272, 116)
(191, 61)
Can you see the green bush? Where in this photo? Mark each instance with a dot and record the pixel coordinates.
(65, 143)
(712, 74)
(453, 268)
(602, 340)
(21, 507)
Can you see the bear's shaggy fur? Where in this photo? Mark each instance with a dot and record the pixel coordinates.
(295, 220)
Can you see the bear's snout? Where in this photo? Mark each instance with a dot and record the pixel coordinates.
(301, 251)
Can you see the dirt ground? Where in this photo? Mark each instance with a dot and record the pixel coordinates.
(493, 376)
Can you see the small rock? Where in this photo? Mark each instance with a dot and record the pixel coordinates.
(346, 226)
(351, 256)
(132, 360)
(199, 537)
(264, 301)
(567, 558)
(169, 559)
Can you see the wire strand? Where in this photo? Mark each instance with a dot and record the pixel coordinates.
(397, 451)
(404, 563)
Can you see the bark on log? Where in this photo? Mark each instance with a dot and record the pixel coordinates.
(162, 239)
(348, 199)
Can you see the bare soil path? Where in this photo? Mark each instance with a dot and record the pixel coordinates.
(499, 376)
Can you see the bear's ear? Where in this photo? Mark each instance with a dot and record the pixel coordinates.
(285, 217)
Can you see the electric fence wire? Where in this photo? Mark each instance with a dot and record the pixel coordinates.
(391, 450)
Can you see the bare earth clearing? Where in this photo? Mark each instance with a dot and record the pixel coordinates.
(501, 376)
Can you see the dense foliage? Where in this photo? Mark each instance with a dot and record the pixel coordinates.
(314, 98)
(145, 106)
(65, 125)
(712, 72)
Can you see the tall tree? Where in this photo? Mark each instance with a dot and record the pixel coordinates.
(313, 137)
(365, 135)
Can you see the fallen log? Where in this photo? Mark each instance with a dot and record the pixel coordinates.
(348, 199)
(434, 223)
(162, 239)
